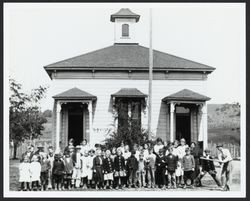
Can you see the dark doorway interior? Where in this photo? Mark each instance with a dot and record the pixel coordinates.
(75, 123)
(183, 127)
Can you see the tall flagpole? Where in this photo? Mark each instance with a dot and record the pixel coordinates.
(150, 76)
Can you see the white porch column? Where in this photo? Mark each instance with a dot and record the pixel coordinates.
(58, 125)
(172, 109)
(90, 122)
(204, 111)
(203, 125)
(200, 137)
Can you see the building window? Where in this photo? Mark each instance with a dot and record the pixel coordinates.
(125, 30)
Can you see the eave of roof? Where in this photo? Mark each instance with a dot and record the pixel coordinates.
(186, 95)
(129, 93)
(75, 94)
(124, 13)
(127, 57)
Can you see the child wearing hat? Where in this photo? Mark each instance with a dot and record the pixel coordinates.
(208, 167)
(35, 169)
(188, 165)
(58, 171)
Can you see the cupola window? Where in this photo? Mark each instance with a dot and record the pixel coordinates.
(125, 30)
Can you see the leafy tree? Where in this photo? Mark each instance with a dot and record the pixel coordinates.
(129, 129)
(47, 113)
(25, 117)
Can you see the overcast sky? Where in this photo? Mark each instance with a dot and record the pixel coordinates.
(213, 34)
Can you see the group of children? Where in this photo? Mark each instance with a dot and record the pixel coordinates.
(161, 166)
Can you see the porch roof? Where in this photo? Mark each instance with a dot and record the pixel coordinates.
(129, 92)
(74, 94)
(186, 95)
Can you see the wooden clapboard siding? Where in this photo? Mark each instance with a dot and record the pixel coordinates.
(103, 88)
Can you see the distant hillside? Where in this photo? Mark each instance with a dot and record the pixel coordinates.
(224, 123)
(224, 115)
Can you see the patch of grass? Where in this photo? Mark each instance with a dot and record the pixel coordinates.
(224, 135)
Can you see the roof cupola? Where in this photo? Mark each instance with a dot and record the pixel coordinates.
(124, 25)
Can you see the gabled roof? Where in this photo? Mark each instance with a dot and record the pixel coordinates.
(124, 13)
(127, 57)
(186, 95)
(75, 93)
(129, 93)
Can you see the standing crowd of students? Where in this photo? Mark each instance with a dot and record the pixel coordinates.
(162, 165)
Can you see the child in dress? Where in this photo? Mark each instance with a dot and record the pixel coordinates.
(35, 169)
(108, 166)
(132, 167)
(98, 169)
(171, 162)
(77, 161)
(150, 168)
(120, 171)
(84, 176)
(188, 164)
(24, 173)
(141, 171)
(90, 166)
(58, 171)
(45, 167)
(68, 162)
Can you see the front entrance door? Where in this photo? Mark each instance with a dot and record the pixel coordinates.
(183, 124)
(75, 122)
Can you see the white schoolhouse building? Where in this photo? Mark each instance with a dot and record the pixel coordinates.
(93, 87)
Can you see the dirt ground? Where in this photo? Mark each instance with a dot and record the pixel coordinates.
(207, 181)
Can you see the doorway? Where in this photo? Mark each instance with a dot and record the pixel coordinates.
(75, 122)
(183, 124)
